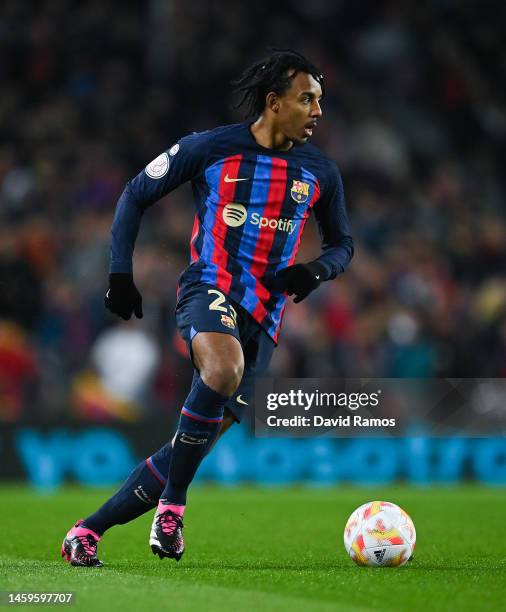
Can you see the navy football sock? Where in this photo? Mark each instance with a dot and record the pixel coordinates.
(199, 424)
(139, 493)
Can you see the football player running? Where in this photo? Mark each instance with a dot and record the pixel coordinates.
(255, 184)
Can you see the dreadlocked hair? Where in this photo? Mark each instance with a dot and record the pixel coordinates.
(271, 74)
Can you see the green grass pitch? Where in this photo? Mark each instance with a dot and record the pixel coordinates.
(264, 549)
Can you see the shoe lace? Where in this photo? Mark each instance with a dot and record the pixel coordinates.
(170, 522)
(89, 544)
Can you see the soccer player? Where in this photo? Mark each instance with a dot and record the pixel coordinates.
(255, 185)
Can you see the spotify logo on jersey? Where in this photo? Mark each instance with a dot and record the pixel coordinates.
(234, 215)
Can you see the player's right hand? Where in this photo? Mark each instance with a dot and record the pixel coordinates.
(122, 297)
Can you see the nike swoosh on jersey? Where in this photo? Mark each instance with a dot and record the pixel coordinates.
(232, 180)
(241, 401)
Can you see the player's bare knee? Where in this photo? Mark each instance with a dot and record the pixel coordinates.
(223, 376)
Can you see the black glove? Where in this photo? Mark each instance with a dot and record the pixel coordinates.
(123, 298)
(300, 279)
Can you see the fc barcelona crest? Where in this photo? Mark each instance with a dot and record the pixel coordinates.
(227, 321)
(299, 191)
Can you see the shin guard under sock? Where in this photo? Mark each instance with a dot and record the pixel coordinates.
(199, 424)
(139, 493)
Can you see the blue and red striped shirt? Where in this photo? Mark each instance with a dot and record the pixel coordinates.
(252, 204)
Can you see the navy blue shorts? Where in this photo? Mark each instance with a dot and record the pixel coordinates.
(204, 308)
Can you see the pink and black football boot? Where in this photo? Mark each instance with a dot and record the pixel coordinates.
(166, 537)
(79, 547)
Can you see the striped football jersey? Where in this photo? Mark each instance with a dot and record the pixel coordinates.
(251, 206)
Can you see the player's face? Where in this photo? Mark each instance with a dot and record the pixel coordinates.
(299, 108)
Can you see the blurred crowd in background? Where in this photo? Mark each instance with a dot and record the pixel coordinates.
(414, 115)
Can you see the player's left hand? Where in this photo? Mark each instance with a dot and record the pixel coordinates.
(300, 279)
